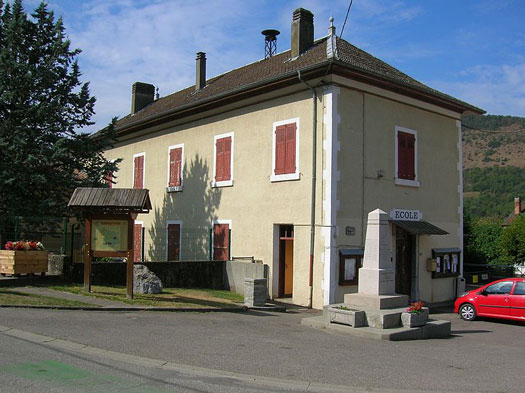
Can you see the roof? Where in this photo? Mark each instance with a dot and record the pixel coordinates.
(112, 200)
(420, 227)
(512, 216)
(281, 68)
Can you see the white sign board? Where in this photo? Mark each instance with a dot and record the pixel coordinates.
(406, 215)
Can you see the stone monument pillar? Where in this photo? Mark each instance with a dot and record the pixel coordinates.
(377, 276)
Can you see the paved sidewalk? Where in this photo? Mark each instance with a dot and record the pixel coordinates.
(72, 296)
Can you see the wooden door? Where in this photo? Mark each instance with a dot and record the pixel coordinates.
(403, 262)
(137, 242)
(221, 234)
(288, 268)
(286, 260)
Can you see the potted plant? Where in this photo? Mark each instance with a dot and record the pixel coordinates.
(20, 257)
(415, 315)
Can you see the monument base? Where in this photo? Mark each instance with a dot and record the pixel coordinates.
(376, 302)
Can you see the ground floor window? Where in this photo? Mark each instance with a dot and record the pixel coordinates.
(173, 239)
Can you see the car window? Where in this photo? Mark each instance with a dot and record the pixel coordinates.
(500, 288)
(520, 288)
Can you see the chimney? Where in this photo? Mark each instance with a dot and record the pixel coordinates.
(517, 206)
(302, 31)
(142, 94)
(200, 71)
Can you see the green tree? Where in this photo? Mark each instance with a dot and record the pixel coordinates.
(483, 240)
(513, 242)
(43, 106)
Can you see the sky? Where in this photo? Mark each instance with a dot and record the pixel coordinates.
(473, 50)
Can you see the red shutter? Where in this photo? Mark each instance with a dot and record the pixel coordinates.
(175, 167)
(137, 243)
(280, 150)
(289, 166)
(220, 242)
(173, 242)
(219, 160)
(406, 156)
(138, 176)
(227, 158)
(411, 157)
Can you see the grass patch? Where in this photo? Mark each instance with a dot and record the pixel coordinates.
(170, 297)
(12, 297)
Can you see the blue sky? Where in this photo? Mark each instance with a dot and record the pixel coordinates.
(471, 49)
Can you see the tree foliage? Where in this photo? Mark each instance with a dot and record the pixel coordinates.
(483, 240)
(513, 242)
(43, 106)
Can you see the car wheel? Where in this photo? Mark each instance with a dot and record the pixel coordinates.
(467, 312)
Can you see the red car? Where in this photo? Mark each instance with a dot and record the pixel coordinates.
(499, 299)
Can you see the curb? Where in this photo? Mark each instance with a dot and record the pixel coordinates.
(127, 309)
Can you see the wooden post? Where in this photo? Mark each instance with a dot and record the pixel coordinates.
(87, 257)
(130, 258)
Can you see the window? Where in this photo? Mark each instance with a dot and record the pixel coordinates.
(221, 240)
(173, 239)
(175, 167)
(223, 159)
(350, 261)
(500, 288)
(406, 157)
(285, 150)
(138, 241)
(139, 163)
(447, 262)
(519, 289)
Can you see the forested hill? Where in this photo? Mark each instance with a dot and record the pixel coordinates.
(494, 164)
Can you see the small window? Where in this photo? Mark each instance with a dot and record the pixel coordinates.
(500, 288)
(223, 159)
(139, 164)
(350, 261)
(285, 160)
(175, 167)
(519, 289)
(447, 262)
(406, 157)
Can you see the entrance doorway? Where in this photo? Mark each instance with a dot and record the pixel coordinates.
(404, 256)
(285, 260)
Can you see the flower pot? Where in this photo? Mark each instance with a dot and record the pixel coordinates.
(415, 319)
(23, 262)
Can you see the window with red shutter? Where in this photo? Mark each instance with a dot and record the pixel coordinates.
(221, 234)
(406, 157)
(285, 150)
(137, 242)
(223, 171)
(175, 175)
(138, 171)
(173, 241)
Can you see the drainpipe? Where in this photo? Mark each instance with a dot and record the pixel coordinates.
(314, 167)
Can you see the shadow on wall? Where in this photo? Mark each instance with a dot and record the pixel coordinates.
(194, 208)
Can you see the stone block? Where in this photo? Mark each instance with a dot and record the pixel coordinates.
(255, 292)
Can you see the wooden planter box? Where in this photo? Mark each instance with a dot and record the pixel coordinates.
(23, 262)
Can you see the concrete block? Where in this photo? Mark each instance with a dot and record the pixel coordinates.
(377, 302)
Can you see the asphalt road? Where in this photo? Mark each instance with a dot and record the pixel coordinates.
(223, 352)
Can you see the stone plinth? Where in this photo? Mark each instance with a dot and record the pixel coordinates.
(376, 302)
(255, 292)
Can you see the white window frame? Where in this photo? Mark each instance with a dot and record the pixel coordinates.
(286, 176)
(178, 188)
(229, 222)
(225, 183)
(143, 170)
(406, 182)
(180, 237)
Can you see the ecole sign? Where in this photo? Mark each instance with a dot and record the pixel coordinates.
(406, 215)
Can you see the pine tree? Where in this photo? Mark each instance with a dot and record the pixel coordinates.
(44, 155)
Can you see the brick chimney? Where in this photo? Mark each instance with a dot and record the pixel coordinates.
(142, 94)
(517, 206)
(200, 71)
(302, 31)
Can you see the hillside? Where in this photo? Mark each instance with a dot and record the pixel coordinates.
(494, 164)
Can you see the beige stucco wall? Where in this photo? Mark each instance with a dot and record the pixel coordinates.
(254, 204)
(367, 138)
